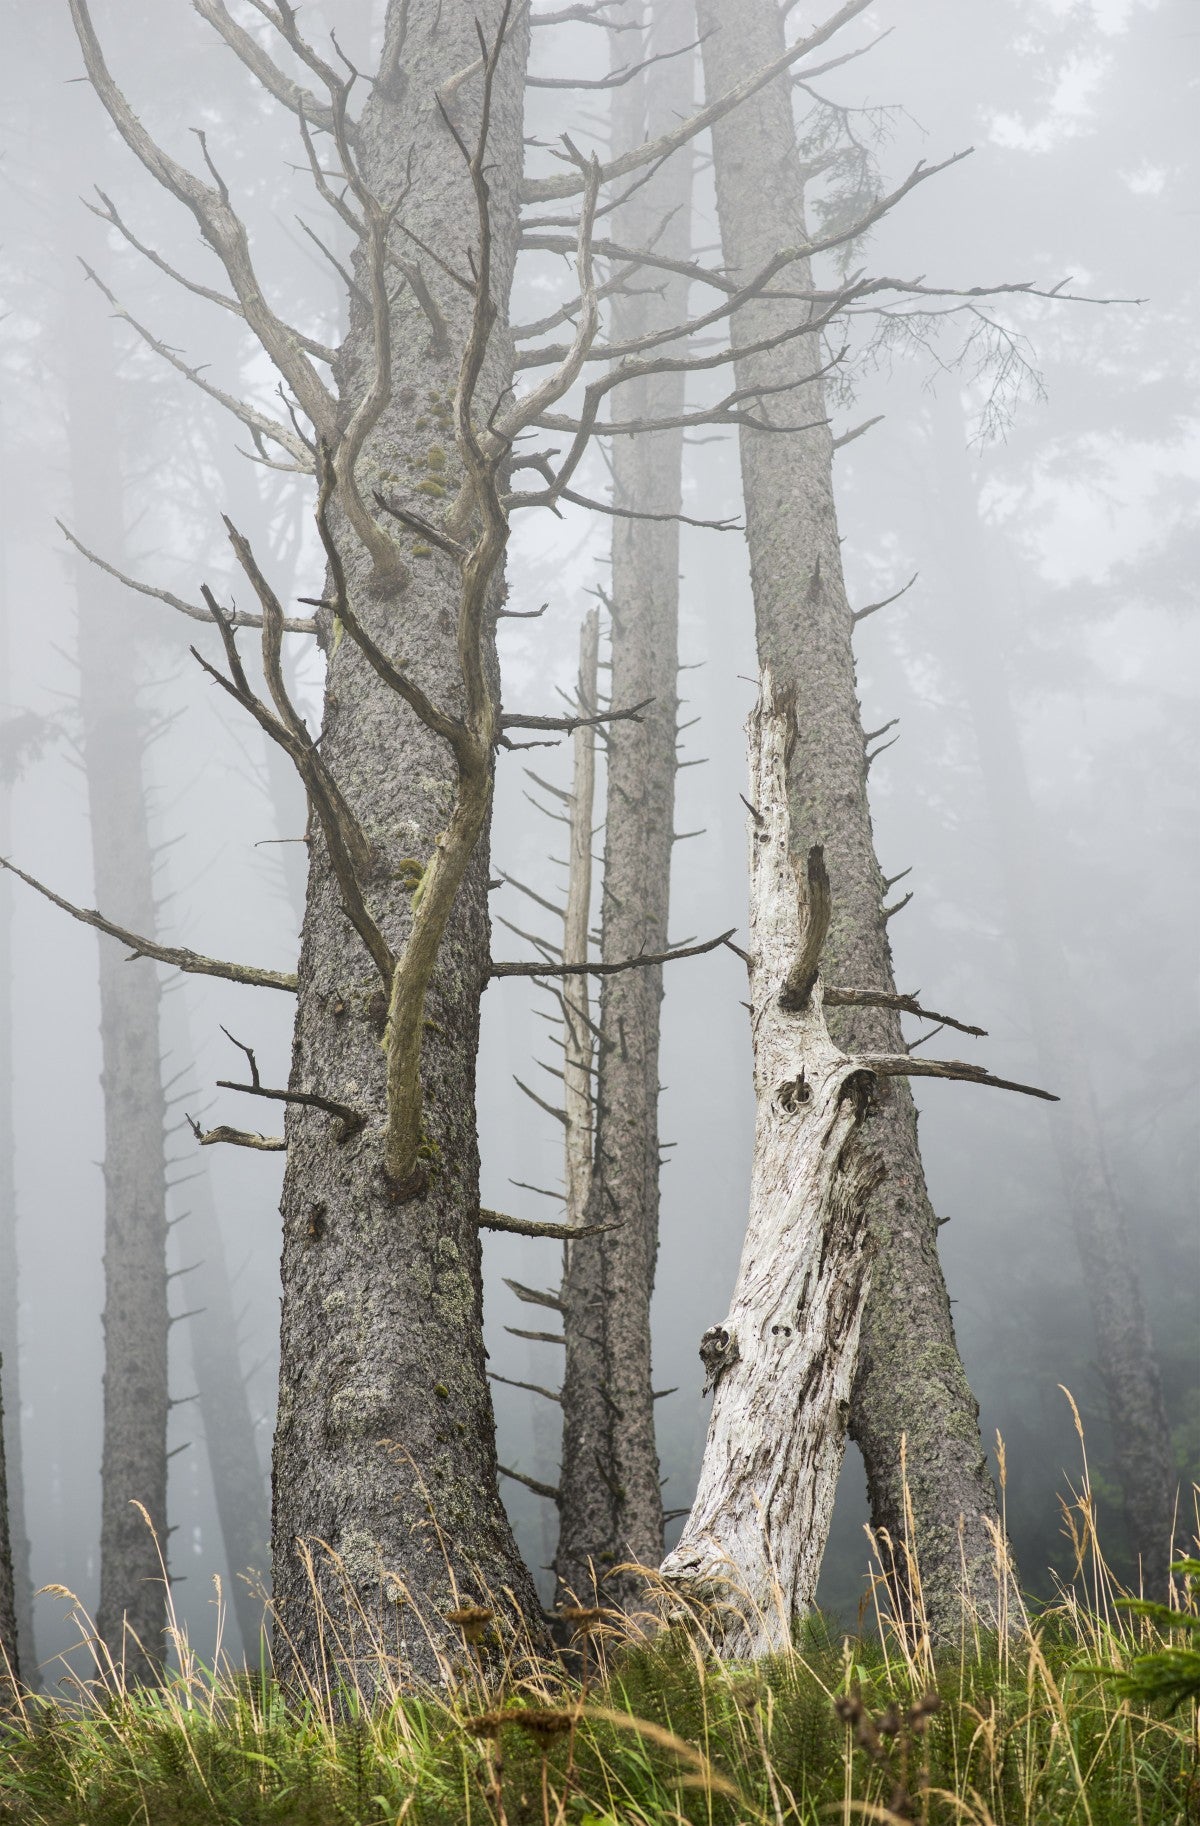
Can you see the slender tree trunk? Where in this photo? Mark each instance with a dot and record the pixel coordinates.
(1126, 1363)
(385, 1443)
(10, 1654)
(782, 1361)
(14, 1512)
(132, 1608)
(611, 1502)
(910, 1382)
(239, 1481)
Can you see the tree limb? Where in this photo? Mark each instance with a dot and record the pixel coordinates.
(599, 968)
(193, 962)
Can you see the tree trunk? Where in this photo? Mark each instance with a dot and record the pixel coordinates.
(783, 1359)
(10, 1655)
(239, 1482)
(132, 1608)
(13, 1513)
(910, 1382)
(1126, 1363)
(385, 1445)
(611, 1506)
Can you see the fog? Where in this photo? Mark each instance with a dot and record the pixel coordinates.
(1034, 463)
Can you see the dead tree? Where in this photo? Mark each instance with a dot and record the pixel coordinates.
(133, 1520)
(781, 1362)
(611, 1510)
(10, 1656)
(14, 1565)
(910, 1382)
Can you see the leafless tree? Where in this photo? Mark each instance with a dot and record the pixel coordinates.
(781, 1362)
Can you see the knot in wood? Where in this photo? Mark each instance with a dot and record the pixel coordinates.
(792, 1095)
(718, 1352)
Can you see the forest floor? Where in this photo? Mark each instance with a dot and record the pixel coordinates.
(1029, 1726)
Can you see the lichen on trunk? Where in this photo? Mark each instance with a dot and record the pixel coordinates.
(385, 1465)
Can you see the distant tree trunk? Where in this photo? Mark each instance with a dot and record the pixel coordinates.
(132, 1608)
(910, 1380)
(10, 1654)
(385, 1443)
(1125, 1358)
(611, 1503)
(14, 1511)
(782, 1361)
(240, 1487)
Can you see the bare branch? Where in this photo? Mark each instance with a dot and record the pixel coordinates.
(532, 1388)
(260, 422)
(545, 189)
(534, 1296)
(221, 228)
(873, 607)
(237, 1138)
(901, 1065)
(190, 961)
(569, 724)
(550, 1491)
(273, 79)
(521, 1226)
(903, 1004)
(599, 968)
(293, 624)
(351, 1120)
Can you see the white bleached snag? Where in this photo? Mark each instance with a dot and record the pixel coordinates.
(782, 1361)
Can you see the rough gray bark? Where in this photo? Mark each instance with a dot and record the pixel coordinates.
(1125, 1358)
(910, 1381)
(14, 1510)
(385, 1447)
(132, 1609)
(781, 1362)
(611, 1505)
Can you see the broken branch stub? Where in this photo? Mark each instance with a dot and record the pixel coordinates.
(781, 1362)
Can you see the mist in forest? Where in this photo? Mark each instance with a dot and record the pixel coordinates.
(1031, 463)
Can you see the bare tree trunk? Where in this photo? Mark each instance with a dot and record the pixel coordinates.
(1126, 1363)
(783, 1359)
(611, 1503)
(13, 1511)
(240, 1486)
(10, 1654)
(385, 1444)
(910, 1382)
(132, 1607)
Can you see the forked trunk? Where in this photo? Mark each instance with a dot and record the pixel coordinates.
(781, 1362)
(910, 1381)
(385, 1456)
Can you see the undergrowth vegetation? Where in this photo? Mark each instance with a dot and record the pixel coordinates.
(1040, 1721)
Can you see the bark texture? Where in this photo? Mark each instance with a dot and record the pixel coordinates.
(385, 1448)
(611, 1504)
(910, 1382)
(1125, 1358)
(782, 1360)
(132, 1609)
